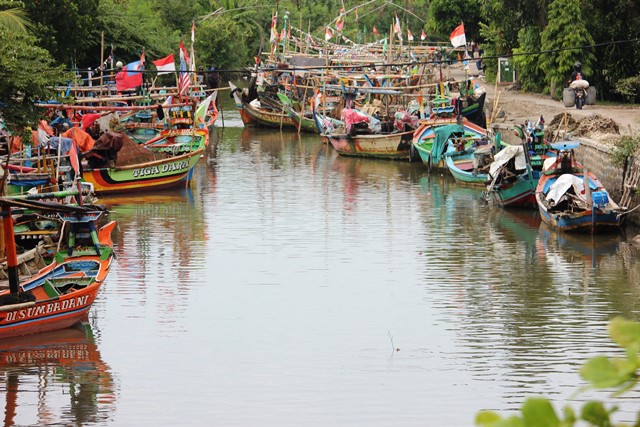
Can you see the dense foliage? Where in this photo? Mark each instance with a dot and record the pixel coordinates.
(26, 71)
(229, 33)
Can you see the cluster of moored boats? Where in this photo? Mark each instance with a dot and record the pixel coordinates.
(405, 113)
(56, 245)
(364, 107)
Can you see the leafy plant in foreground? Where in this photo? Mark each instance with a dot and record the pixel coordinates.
(618, 373)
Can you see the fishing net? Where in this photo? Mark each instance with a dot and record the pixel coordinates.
(132, 153)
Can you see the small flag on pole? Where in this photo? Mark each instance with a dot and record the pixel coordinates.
(328, 34)
(423, 35)
(457, 36)
(165, 65)
(273, 38)
(340, 21)
(375, 31)
(130, 76)
(397, 29)
(73, 158)
(409, 35)
(184, 80)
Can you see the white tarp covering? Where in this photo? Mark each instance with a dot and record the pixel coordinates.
(506, 154)
(563, 184)
(579, 84)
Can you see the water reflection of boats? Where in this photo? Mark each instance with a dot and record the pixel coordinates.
(172, 222)
(368, 169)
(516, 224)
(54, 368)
(573, 247)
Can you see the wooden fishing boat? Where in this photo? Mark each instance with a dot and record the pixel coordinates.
(513, 180)
(572, 199)
(61, 294)
(431, 138)
(169, 172)
(253, 115)
(300, 120)
(516, 169)
(395, 146)
(469, 163)
(117, 165)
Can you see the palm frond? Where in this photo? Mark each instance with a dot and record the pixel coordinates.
(15, 20)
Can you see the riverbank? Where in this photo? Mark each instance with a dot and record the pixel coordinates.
(598, 127)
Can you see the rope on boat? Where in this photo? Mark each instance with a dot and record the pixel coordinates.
(628, 212)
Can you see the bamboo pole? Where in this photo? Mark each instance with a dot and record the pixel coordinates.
(101, 64)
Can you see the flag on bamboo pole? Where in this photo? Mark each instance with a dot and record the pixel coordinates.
(184, 79)
(131, 75)
(192, 59)
(423, 36)
(375, 31)
(340, 21)
(327, 34)
(274, 31)
(165, 65)
(397, 28)
(409, 35)
(457, 36)
(356, 14)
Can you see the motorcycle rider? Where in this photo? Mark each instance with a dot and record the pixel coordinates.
(579, 85)
(577, 72)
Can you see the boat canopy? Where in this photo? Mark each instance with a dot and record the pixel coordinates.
(565, 145)
(442, 135)
(507, 153)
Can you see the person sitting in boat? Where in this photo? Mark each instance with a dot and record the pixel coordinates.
(213, 78)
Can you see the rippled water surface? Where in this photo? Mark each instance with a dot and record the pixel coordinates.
(293, 287)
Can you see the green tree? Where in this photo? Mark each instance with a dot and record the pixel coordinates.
(133, 27)
(530, 72)
(222, 44)
(445, 15)
(613, 20)
(66, 28)
(566, 29)
(27, 74)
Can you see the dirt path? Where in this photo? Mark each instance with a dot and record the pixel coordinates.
(515, 107)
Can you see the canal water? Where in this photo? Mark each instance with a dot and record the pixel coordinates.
(289, 286)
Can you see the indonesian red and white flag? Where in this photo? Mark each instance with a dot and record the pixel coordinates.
(375, 31)
(328, 34)
(457, 36)
(397, 28)
(423, 35)
(165, 65)
(409, 35)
